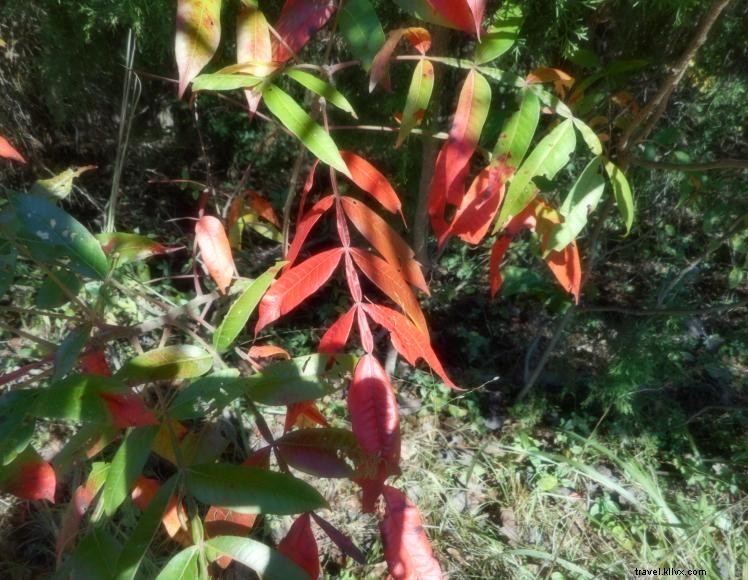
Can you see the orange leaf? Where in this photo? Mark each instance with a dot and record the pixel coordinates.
(419, 38)
(406, 546)
(215, 250)
(567, 268)
(29, 477)
(9, 152)
(407, 339)
(390, 281)
(300, 546)
(386, 241)
(223, 522)
(303, 413)
(480, 204)
(336, 337)
(197, 38)
(371, 180)
(268, 351)
(549, 75)
(253, 45)
(305, 226)
(295, 285)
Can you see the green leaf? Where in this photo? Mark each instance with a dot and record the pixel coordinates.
(15, 435)
(41, 220)
(546, 160)
(424, 11)
(125, 248)
(298, 121)
(251, 490)
(268, 563)
(417, 101)
(578, 204)
(299, 379)
(140, 538)
(517, 134)
(126, 466)
(95, 556)
(501, 36)
(59, 186)
(168, 363)
(501, 76)
(183, 566)
(66, 355)
(362, 29)
(622, 193)
(242, 308)
(77, 398)
(224, 82)
(589, 137)
(8, 261)
(207, 394)
(323, 89)
(51, 293)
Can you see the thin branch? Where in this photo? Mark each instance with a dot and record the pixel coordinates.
(690, 167)
(666, 311)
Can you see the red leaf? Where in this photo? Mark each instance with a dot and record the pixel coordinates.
(95, 363)
(494, 267)
(336, 337)
(298, 21)
(215, 250)
(29, 477)
(300, 546)
(452, 164)
(308, 185)
(406, 546)
(371, 489)
(386, 241)
(371, 180)
(340, 539)
(480, 204)
(390, 281)
(305, 226)
(465, 15)
(263, 208)
(419, 38)
(407, 339)
(367, 340)
(197, 38)
(71, 519)
(303, 413)
(260, 458)
(375, 417)
(128, 410)
(295, 285)
(9, 152)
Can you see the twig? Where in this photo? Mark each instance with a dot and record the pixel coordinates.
(665, 311)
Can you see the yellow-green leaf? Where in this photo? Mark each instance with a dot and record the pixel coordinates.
(622, 193)
(516, 136)
(323, 89)
(168, 363)
(417, 101)
(197, 38)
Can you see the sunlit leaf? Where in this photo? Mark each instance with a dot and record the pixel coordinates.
(183, 566)
(29, 477)
(517, 133)
(322, 452)
(372, 181)
(238, 314)
(215, 250)
(298, 21)
(168, 363)
(224, 82)
(7, 151)
(578, 204)
(502, 35)
(298, 121)
(124, 248)
(417, 101)
(198, 35)
(300, 546)
(59, 186)
(323, 89)
(546, 160)
(622, 193)
(268, 563)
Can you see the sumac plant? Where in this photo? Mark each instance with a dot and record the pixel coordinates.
(157, 417)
